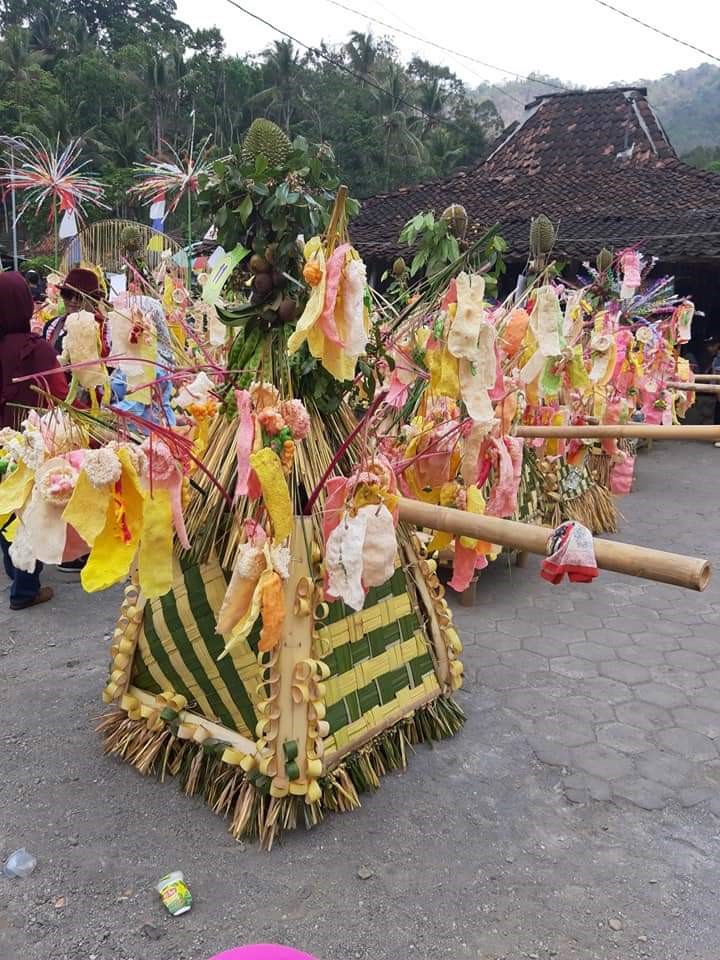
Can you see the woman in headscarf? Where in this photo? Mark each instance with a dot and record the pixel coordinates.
(23, 354)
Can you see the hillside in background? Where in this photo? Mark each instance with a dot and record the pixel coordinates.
(687, 103)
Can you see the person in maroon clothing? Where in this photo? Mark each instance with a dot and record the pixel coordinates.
(23, 354)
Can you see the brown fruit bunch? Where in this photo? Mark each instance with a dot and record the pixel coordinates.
(270, 253)
(258, 264)
(262, 285)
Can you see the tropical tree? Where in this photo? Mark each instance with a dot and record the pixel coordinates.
(281, 68)
(363, 53)
(400, 143)
(18, 62)
(443, 152)
(161, 82)
(432, 99)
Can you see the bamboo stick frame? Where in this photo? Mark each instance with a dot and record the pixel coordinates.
(187, 717)
(100, 243)
(124, 643)
(295, 646)
(438, 647)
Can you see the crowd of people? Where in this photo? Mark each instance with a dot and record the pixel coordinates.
(32, 371)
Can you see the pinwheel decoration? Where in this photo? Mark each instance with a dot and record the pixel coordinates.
(168, 180)
(46, 174)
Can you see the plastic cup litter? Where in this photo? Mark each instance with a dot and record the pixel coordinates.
(174, 893)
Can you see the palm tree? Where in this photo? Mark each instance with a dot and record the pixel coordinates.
(362, 51)
(44, 32)
(160, 91)
(55, 118)
(432, 99)
(442, 152)
(396, 119)
(79, 39)
(18, 61)
(122, 140)
(280, 69)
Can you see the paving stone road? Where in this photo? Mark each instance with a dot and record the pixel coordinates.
(489, 847)
(617, 682)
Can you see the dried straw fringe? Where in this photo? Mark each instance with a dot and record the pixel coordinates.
(256, 815)
(600, 466)
(594, 509)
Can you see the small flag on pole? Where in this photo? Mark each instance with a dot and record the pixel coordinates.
(68, 225)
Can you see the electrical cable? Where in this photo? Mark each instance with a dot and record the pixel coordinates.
(341, 66)
(489, 83)
(668, 36)
(439, 46)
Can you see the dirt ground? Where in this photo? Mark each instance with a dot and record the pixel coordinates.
(477, 851)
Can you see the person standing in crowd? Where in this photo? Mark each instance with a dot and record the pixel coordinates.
(80, 290)
(36, 287)
(23, 354)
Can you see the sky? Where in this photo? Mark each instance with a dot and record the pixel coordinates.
(579, 41)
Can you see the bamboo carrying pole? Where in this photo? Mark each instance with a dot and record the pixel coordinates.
(707, 377)
(640, 431)
(693, 387)
(693, 573)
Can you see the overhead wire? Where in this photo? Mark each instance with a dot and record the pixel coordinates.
(318, 52)
(431, 43)
(439, 46)
(663, 33)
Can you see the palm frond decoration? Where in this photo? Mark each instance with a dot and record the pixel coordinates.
(172, 179)
(46, 174)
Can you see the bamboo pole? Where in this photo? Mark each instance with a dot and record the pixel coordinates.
(693, 573)
(694, 387)
(640, 431)
(707, 377)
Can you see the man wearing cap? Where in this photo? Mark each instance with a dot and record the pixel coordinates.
(80, 290)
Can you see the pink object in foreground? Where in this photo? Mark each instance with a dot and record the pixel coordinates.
(263, 951)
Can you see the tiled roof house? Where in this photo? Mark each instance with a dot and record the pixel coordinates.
(597, 162)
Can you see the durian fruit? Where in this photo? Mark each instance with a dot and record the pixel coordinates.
(457, 218)
(399, 267)
(130, 240)
(265, 138)
(604, 260)
(542, 236)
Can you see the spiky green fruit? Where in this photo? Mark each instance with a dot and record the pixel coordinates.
(542, 236)
(604, 260)
(457, 219)
(265, 138)
(399, 267)
(130, 239)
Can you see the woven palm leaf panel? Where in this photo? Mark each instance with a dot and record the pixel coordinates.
(178, 650)
(379, 660)
(378, 657)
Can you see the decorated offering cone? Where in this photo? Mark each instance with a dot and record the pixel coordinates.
(265, 679)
